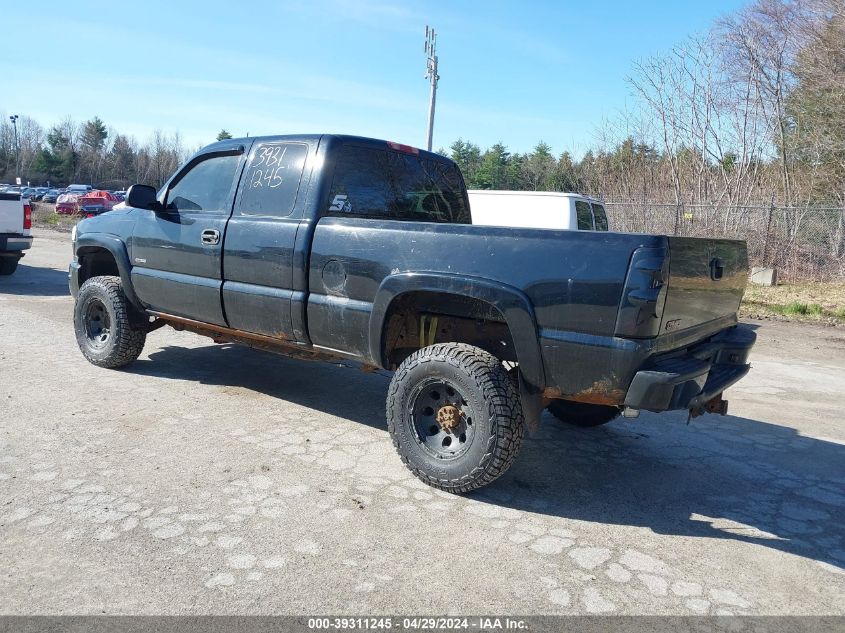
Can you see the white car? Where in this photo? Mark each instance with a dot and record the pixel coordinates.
(537, 210)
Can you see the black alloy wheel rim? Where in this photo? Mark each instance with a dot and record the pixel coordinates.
(441, 419)
(97, 324)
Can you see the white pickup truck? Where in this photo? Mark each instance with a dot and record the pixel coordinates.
(15, 230)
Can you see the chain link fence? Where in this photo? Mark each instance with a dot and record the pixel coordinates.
(803, 243)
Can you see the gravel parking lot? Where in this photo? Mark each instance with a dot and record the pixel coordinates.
(216, 479)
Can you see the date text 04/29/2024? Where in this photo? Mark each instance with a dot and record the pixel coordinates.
(416, 623)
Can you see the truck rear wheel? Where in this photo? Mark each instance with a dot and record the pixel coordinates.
(8, 265)
(455, 416)
(581, 414)
(101, 320)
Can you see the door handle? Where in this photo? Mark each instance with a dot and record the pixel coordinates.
(210, 236)
(716, 269)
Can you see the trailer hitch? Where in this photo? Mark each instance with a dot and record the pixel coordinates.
(717, 405)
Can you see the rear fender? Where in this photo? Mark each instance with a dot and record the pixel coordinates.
(512, 303)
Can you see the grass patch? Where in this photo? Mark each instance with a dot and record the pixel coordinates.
(810, 302)
(45, 216)
(51, 220)
(796, 307)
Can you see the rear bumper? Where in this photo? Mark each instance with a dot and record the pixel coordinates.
(697, 375)
(14, 243)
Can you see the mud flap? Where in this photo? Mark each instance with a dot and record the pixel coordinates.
(532, 405)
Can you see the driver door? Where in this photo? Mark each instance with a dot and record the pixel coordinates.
(176, 253)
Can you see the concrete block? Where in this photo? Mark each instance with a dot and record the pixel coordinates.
(764, 276)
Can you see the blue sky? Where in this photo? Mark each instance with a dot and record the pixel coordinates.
(515, 72)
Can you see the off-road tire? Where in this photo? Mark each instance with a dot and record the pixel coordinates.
(581, 414)
(490, 395)
(8, 265)
(125, 340)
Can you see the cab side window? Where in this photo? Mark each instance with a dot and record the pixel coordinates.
(205, 187)
(362, 184)
(585, 215)
(375, 183)
(271, 180)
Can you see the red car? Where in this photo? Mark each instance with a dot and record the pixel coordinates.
(67, 204)
(96, 202)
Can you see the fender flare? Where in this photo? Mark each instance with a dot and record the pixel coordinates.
(511, 302)
(117, 248)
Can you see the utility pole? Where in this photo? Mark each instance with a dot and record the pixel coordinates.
(432, 76)
(14, 119)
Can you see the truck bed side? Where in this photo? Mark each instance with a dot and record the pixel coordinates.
(577, 295)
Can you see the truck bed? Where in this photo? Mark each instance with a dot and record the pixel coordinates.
(576, 301)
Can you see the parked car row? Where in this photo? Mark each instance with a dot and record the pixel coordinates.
(70, 200)
(36, 194)
(88, 204)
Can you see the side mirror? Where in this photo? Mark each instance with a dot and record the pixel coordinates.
(142, 197)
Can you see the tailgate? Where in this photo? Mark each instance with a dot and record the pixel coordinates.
(706, 281)
(11, 213)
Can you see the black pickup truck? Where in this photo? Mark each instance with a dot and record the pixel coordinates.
(327, 247)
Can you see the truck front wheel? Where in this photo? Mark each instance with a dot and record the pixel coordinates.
(101, 320)
(581, 414)
(455, 416)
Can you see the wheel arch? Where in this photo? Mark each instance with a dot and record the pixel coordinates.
(510, 303)
(100, 254)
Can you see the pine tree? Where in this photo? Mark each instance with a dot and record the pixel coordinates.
(94, 135)
(493, 168)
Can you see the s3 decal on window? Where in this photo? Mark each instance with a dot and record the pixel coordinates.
(340, 203)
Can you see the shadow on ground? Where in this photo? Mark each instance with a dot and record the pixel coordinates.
(343, 391)
(718, 477)
(35, 282)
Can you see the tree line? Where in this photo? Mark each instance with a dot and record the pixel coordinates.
(751, 112)
(86, 153)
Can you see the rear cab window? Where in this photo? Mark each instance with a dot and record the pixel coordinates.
(584, 214)
(384, 183)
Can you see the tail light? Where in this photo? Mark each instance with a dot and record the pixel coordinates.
(27, 216)
(399, 147)
(644, 294)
